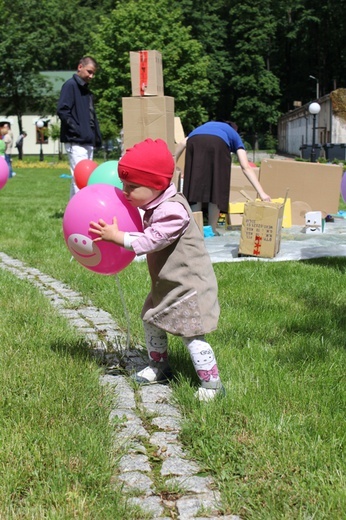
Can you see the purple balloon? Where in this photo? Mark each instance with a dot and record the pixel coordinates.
(343, 186)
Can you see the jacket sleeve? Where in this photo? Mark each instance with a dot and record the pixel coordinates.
(64, 110)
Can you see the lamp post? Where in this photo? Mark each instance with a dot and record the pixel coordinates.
(317, 86)
(314, 109)
(40, 125)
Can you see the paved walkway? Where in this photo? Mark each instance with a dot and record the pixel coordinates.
(154, 469)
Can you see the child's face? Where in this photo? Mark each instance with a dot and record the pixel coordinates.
(138, 195)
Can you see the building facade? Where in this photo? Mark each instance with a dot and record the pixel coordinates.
(296, 127)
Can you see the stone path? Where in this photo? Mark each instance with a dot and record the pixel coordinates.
(154, 469)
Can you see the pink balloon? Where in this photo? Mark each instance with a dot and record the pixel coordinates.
(4, 172)
(92, 203)
(343, 186)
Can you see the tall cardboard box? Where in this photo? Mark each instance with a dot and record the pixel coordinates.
(312, 186)
(261, 229)
(148, 117)
(146, 73)
(179, 135)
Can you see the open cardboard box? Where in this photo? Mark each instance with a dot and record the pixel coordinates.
(261, 229)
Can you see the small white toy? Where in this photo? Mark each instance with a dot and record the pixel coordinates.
(314, 223)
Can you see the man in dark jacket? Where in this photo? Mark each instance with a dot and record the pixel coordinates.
(79, 126)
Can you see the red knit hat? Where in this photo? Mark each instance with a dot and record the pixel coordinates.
(148, 163)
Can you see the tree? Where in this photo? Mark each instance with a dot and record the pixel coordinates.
(255, 88)
(208, 22)
(152, 24)
(38, 36)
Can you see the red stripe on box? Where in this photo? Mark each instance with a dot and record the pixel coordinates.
(143, 72)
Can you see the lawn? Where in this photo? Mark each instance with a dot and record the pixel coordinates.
(275, 445)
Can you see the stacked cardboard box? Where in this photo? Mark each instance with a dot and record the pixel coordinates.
(148, 113)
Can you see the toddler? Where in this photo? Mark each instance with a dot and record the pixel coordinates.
(183, 296)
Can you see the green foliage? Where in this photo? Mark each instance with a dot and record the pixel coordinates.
(54, 131)
(322, 160)
(256, 88)
(241, 60)
(137, 25)
(37, 36)
(208, 22)
(270, 142)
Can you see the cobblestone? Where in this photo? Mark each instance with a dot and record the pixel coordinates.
(151, 460)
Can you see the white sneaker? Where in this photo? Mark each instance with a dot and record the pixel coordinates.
(153, 375)
(208, 394)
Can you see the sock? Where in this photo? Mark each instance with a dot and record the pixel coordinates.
(203, 359)
(156, 343)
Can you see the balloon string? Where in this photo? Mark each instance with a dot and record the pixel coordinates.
(125, 310)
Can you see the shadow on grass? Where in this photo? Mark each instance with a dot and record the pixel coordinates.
(332, 262)
(57, 214)
(78, 349)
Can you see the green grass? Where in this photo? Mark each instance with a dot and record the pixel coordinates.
(275, 445)
(56, 458)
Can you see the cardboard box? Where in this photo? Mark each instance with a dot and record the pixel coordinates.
(237, 208)
(146, 73)
(145, 117)
(179, 135)
(312, 186)
(239, 182)
(261, 229)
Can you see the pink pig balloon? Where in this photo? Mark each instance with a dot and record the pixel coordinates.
(92, 203)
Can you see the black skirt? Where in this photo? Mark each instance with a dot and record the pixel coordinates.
(207, 172)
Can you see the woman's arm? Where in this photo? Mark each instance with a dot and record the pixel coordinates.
(250, 174)
(180, 148)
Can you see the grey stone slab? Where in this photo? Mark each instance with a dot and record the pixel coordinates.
(155, 394)
(136, 480)
(136, 447)
(191, 506)
(167, 423)
(171, 450)
(108, 379)
(78, 323)
(178, 466)
(161, 409)
(128, 415)
(134, 462)
(134, 431)
(152, 505)
(193, 484)
(164, 439)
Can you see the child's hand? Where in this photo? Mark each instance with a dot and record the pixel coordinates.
(107, 232)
